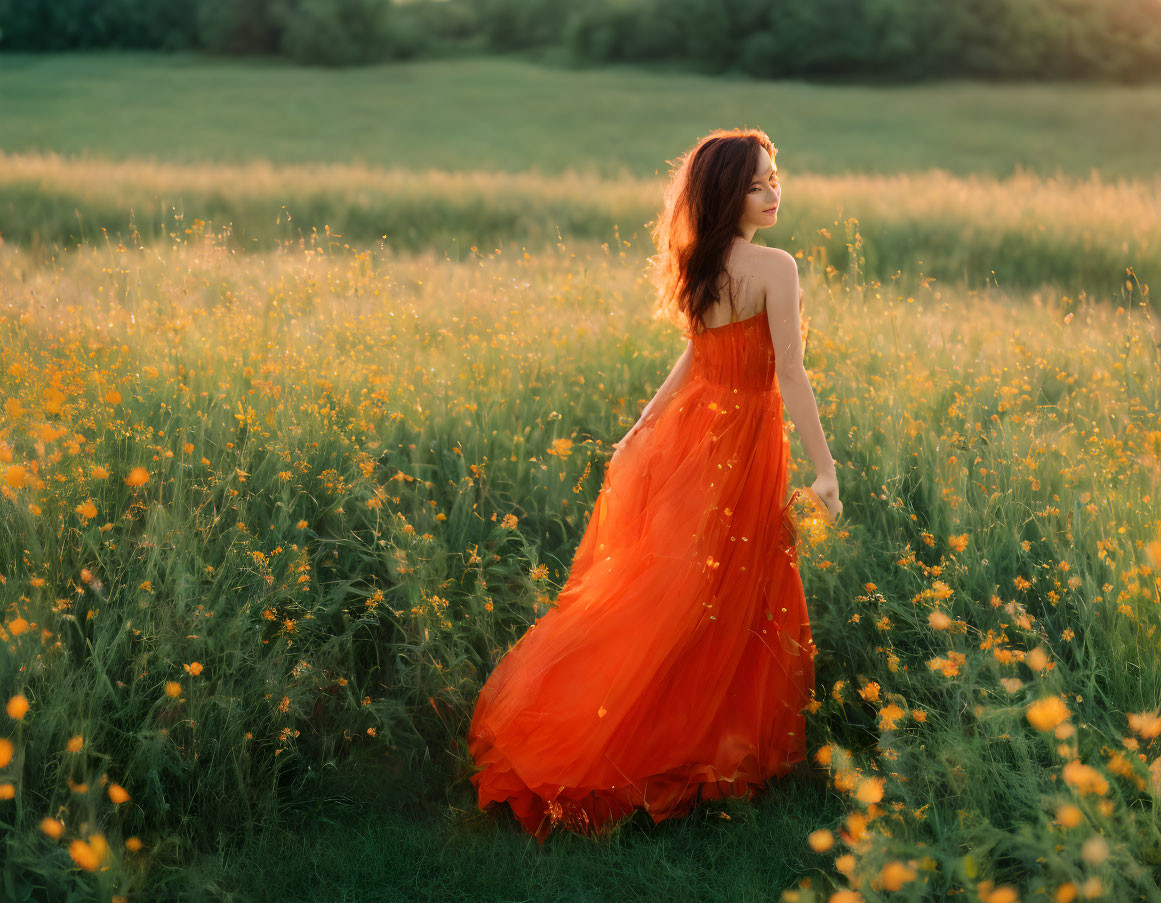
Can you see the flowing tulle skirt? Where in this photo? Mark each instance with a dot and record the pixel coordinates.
(676, 662)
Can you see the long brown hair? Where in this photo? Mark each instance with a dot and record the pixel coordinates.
(704, 200)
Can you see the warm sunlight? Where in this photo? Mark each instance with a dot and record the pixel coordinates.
(493, 450)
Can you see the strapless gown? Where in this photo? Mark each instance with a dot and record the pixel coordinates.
(677, 659)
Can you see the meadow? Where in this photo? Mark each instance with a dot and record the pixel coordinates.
(1020, 232)
(271, 518)
(1021, 186)
(508, 114)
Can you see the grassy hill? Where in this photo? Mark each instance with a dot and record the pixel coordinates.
(509, 114)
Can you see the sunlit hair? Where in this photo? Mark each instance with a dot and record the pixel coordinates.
(704, 200)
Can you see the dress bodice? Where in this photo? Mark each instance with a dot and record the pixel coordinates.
(739, 355)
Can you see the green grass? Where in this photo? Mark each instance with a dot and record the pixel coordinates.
(353, 489)
(510, 114)
(945, 180)
(332, 435)
(360, 847)
(1019, 233)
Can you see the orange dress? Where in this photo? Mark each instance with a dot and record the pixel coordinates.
(677, 659)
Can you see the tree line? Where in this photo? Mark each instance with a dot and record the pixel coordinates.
(894, 40)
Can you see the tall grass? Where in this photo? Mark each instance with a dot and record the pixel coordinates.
(1022, 232)
(272, 517)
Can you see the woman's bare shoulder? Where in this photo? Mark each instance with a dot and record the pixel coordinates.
(770, 256)
(762, 260)
(768, 266)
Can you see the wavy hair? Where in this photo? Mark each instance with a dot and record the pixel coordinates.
(704, 200)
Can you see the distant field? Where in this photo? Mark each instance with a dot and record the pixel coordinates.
(1081, 236)
(510, 115)
(1016, 185)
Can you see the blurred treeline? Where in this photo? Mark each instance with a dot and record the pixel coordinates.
(887, 39)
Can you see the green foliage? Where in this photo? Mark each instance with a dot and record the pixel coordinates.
(229, 26)
(518, 24)
(334, 32)
(322, 32)
(880, 39)
(617, 30)
(889, 39)
(88, 24)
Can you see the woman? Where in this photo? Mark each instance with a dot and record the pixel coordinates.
(677, 659)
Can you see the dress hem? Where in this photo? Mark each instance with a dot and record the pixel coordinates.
(597, 812)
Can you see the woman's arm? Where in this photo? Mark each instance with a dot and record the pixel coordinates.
(784, 303)
(673, 382)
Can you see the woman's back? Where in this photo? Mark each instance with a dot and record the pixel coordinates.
(751, 273)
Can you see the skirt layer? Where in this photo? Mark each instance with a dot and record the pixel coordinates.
(677, 659)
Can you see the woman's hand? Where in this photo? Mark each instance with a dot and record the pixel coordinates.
(826, 487)
(636, 428)
(629, 435)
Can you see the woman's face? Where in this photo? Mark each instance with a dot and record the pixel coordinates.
(762, 197)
